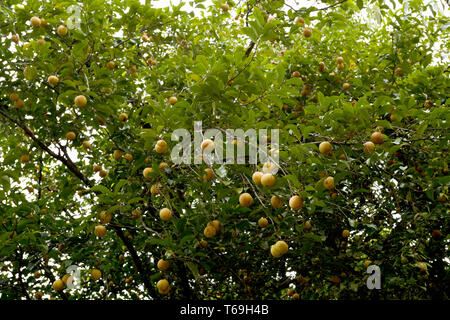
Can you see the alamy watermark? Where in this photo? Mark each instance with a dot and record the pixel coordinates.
(374, 280)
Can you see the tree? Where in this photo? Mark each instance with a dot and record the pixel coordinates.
(92, 92)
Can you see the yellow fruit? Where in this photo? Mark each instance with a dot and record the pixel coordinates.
(128, 157)
(276, 202)
(96, 274)
(368, 147)
(103, 173)
(80, 101)
(62, 30)
(367, 263)
(209, 231)
(24, 158)
(35, 21)
(13, 96)
(58, 285)
(105, 217)
(225, 7)
(203, 244)
(299, 21)
(307, 225)
(156, 189)
(136, 214)
(86, 145)
(296, 202)
(346, 86)
(117, 154)
(38, 295)
(245, 199)
(111, 65)
(165, 214)
(147, 172)
(161, 146)
(377, 138)
(163, 286)
(307, 32)
(328, 183)
(173, 100)
(263, 222)
(207, 145)
(269, 167)
(43, 23)
(345, 233)
(163, 265)
(53, 80)
(339, 60)
(70, 135)
(97, 168)
(325, 147)
(65, 278)
(15, 38)
(279, 248)
(123, 117)
(423, 266)
(340, 66)
(295, 74)
(100, 231)
(267, 180)
(216, 225)
(209, 174)
(256, 177)
(19, 103)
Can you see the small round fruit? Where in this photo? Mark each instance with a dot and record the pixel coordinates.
(207, 145)
(299, 21)
(35, 21)
(117, 154)
(128, 157)
(436, 234)
(325, 148)
(163, 286)
(156, 189)
(62, 30)
(80, 101)
(163, 265)
(100, 231)
(295, 74)
(15, 38)
(307, 32)
(53, 80)
(216, 225)
(377, 138)
(339, 60)
(147, 172)
(225, 7)
(346, 86)
(102, 173)
(173, 100)
(321, 66)
(276, 202)
(296, 202)
(209, 231)
(86, 145)
(368, 147)
(19, 103)
(38, 295)
(43, 23)
(256, 177)
(96, 274)
(13, 96)
(58, 285)
(25, 158)
(340, 67)
(245, 200)
(209, 174)
(345, 233)
(161, 146)
(423, 266)
(267, 180)
(307, 225)
(165, 214)
(269, 167)
(110, 65)
(270, 19)
(105, 217)
(263, 222)
(123, 117)
(328, 183)
(70, 135)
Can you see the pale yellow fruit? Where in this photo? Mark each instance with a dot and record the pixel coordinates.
(269, 167)
(209, 231)
(15, 38)
(263, 222)
(207, 145)
(97, 168)
(279, 248)
(423, 266)
(111, 65)
(146, 172)
(65, 278)
(19, 103)
(267, 180)
(345, 233)
(103, 173)
(35, 21)
(96, 274)
(209, 174)
(346, 86)
(43, 23)
(62, 30)
(163, 286)
(156, 189)
(276, 202)
(105, 217)
(296, 202)
(161, 146)
(275, 251)
(173, 100)
(165, 214)
(368, 147)
(299, 21)
(328, 183)
(13, 96)
(245, 199)
(225, 7)
(53, 80)
(377, 138)
(339, 60)
(80, 101)
(117, 154)
(100, 231)
(256, 177)
(163, 265)
(340, 66)
(58, 285)
(307, 32)
(128, 157)
(123, 117)
(325, 148)
(307, 225)
(25, 158)
(367, 263)
(86, 145)
(70, 135)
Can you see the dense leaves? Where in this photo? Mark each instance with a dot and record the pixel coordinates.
(366, 67)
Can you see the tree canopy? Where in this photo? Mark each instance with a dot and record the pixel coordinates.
(91, 92)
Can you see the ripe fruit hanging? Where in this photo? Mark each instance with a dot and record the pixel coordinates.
(345, 233)
(377, 137)
(207, 145)
(299, 21)
(163, 265)
(161, 146)
(156, 189)
(163, 286)
(325, 148)
(279, 249)
(58, 285)
(225, 7)
(339, 60)
(110, 65)
(267, 180)
(328, 183)
(263, 222)
(209, 174)
(307, 32)
(35, 21)
(96, 274)
(15, 38)
(123, 117)
(53, 80)
(165, 214)
(296, 202)
(346, 86)
(25, 158)
(368, 147)
(256, 177)
(80, 101)
(19, 103)
(209, 231)
(70, 135)
(276, 202)
(245, 200)
(117, 154)
(62, 30)
(146, 172)
(100, 231)
(173, 100)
